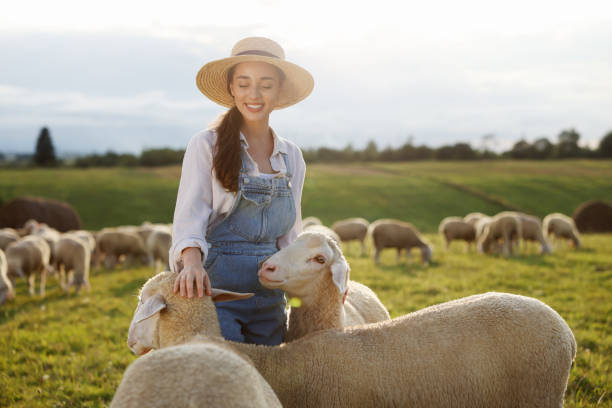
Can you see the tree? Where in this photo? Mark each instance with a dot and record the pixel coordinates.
(568, 143)
(370, 152)
(45, 153)
(543, 148)
(605, 146)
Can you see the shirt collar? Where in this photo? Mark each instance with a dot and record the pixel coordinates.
(279, 145)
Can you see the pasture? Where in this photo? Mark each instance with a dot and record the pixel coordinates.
(69, 351)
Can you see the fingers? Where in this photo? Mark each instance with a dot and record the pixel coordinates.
(183, 288)
(207, 285)
(177, 283)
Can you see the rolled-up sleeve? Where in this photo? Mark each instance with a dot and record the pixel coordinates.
(297, 185)
(193, 201)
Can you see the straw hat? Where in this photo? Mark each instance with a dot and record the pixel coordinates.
(212, 77)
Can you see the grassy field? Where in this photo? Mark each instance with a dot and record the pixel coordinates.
(67, 350)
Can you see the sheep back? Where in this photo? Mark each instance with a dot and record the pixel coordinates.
(351, 229)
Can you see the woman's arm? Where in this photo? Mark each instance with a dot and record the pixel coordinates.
(193, 206)
(297, 185)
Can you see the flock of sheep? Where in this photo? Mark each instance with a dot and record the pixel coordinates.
(341, 347)
(36, 250)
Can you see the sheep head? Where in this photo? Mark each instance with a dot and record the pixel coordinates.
(163, 318)
(313, 256)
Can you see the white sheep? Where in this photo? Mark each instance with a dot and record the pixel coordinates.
(452, 228)
(473, 217)
(488, 350)
(193, 375)
(503, 227)
(27, 258)
(557, 225)
(314, 270)
(6, 286)
(158, 245)
(306, 222)
(72, 259)
(112, 243)
(7, 236)
(531, 230)
(390, 233)
(322, 229)
(352, 229)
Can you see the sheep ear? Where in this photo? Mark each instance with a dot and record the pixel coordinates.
(339, 268)
(221, 295)
(152, 305)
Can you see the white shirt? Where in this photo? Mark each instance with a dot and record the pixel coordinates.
(202, 201)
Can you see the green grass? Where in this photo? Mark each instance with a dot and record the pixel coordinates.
(67, 350)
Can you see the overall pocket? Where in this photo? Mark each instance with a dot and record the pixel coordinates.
(247, 219)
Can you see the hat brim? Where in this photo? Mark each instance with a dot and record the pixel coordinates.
(212, 80)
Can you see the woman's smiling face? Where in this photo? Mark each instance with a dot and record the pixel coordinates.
(255, 87)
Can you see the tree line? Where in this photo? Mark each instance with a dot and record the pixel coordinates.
(542, 148)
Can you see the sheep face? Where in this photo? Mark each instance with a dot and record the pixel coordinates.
(163, 318)
(308, 259)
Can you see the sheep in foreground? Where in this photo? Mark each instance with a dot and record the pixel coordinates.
(531, 229)
(194, 374)
(112, 243)
(158, 246)
(559, 225)
(389, 233)
(27, 258)
(314, 270)
(502, 227)
(488, 350)
(308, 221)
(72, 260)
(7, 236)
(322, 229)
(452, 228)
(352, 229)
(6, 287)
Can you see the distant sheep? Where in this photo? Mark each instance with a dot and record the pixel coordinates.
(489, 350)
(455, 228)
(314, 270)
(557, 225)
(158, 246)
(531, 229)
(308, 221)
(6, 286)
(503, 227)
(352, 229)
(72, 258)
(112, 243)
(27, 258)
(389, 233)
(320, 228)
(472, 218)
(7, 236)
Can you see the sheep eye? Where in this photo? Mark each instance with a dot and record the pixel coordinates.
(320, 259)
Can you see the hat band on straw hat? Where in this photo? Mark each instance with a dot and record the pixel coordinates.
(258, 52)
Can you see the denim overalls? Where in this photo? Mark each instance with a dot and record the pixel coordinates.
(263, 211)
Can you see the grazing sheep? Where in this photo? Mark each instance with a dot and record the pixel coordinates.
(72, 260)
(112, 243)
(7, 236)
(29, 257)
(51, 235)
(308, 221)
(323, 230)
(352, 229)
(503, 226)
(472, 218)
(158, 246)
(452, 228)
(314, 270)
(89, 240)
(558, 225)
(389, 233)
(194, 375)
(488, 350)
(6, 287)
(480, 225)
(531, 229)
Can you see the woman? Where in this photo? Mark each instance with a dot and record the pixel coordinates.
(240, 192)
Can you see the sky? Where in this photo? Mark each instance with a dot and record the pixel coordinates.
(120, 75)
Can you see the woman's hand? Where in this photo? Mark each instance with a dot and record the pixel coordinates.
(193, 271)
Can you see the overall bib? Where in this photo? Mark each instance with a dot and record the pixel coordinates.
(263, 211)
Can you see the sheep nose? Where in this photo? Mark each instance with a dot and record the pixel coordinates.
(266, 268)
